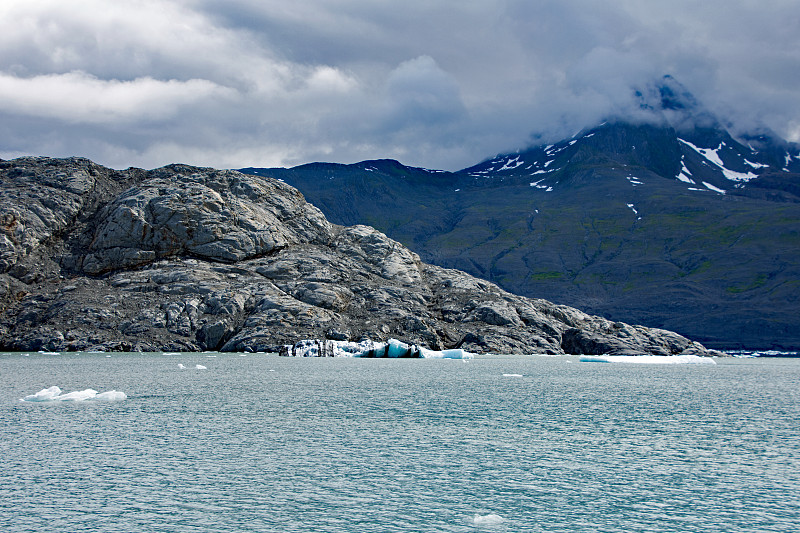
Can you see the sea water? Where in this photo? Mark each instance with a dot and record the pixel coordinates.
(258, 443)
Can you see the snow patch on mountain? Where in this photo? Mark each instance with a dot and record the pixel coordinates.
(712, 155)
(712, 188)
(511, 164)
(755, 165)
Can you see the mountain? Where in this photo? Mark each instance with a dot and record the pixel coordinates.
(185, 258)
(669, 222)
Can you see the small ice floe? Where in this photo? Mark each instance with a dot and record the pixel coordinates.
(512, 375)
(111, 396)
(181, 366)
(649, 359)
(487, 520)
(200, 367)
(77, 396)
(44, 395)
(53, 394)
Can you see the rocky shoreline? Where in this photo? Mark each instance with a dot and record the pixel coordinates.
(188, 259)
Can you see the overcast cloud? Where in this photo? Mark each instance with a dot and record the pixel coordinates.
(440, 84)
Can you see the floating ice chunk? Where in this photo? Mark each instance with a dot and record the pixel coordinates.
(44, 395)
(490, 519)
(53, 394)
(77, 396)
(200, 367)
(181, 366)
(649, 359)
(111, 396)
(512, 375)
(393, 348)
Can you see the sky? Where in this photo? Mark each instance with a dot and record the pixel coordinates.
(439, 84)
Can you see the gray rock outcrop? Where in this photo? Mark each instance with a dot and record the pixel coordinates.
(186, 258)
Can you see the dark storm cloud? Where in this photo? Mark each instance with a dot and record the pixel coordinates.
(438, 84)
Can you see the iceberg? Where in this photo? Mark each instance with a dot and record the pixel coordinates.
(77, 396)
(111, 396)
(649, 359)
(44, 395)
(491, 519)
(392, 348)
(53, 394)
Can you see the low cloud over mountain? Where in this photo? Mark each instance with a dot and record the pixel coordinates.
(439, 85)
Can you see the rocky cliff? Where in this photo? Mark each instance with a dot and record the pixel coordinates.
(185, 258)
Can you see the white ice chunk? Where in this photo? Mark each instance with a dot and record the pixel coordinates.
(77, 396)
(111, 396)
(53, 394)
(512, 375)
(181, 366)
(44, 395)
(393, 348)
(649, 359)
(200, 367)
(491, 519)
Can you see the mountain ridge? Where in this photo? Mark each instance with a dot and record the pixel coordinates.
(602, 220)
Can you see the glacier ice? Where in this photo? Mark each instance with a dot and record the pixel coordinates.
(393, 348)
